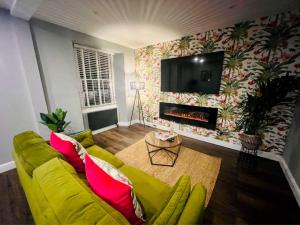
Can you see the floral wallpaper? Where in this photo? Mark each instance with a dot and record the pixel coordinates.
(254, 50)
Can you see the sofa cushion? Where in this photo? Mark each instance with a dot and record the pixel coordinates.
(173, 207)
(65, 199)
(104, 155)
(151, 192)
(32, 150)
(85, 138)
(70, 149)
(113, 187)
(79, 148)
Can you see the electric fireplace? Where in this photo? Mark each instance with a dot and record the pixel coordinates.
(186, 114)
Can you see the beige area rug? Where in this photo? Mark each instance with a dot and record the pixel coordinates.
(199, 166)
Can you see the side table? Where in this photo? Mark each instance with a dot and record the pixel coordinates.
(155, 145)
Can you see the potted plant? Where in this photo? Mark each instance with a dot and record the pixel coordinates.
(256, 110)
(55, 121)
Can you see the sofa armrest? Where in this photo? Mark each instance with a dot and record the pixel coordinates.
(193, 211)
(172, 208)
(85, 138)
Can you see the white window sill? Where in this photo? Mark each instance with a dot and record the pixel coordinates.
(98, 108)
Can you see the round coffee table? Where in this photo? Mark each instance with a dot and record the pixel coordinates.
(155, 146)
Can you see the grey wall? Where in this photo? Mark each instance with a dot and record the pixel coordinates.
(292, 149)
(18, 68)
(21, 89)
(30, 69)
(55, 50)
(120, 86)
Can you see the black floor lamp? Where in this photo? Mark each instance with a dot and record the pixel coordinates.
(137, 86)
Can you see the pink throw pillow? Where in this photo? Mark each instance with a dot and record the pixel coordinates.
(70, 149)
(114, 188)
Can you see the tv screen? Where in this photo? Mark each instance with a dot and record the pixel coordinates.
(198, 73)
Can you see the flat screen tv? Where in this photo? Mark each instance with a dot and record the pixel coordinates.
(198, 73)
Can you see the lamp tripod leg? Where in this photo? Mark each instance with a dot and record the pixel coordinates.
(133, 108)
(139, 106)
(141, 109)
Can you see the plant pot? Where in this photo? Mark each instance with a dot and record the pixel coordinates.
(250, 142)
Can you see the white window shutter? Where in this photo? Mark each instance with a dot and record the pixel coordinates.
(95, 73)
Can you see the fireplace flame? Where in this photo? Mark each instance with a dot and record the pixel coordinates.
(198, 116)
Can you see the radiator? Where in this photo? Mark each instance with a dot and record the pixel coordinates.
(100, 119)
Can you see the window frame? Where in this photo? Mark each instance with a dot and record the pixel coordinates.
(101, 106)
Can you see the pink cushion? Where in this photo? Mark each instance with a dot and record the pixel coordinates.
(68, 150)
(113, 187)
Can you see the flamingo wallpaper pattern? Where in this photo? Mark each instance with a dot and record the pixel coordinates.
(254, 50)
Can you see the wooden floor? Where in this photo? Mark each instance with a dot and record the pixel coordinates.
(246, 192)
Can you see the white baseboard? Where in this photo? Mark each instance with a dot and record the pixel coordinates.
(211, 140)
(103, 129)
(198, 137)
(127, 123)
(269, 155)
(291, 180)
(123, 124)
(7, 166)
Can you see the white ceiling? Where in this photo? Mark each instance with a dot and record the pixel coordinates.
(138, 23)
(6, 4)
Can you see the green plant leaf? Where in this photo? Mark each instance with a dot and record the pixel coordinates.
(52, 119)
(44, 123)
(66, 124)
(256, 116)
(60, 114)
(64, 115)
(55, 116)
(53, 127)
(55, 121)
(43, 116)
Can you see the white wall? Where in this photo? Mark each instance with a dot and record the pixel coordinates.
(21, 69)
(30, 68)
(55, 52)
(58, 68)
(17, 113)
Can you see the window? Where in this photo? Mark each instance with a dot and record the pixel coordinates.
(95, 73)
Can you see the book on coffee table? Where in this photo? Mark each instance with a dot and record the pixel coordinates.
(164, 136)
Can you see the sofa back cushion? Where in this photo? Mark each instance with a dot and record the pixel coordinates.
(113, 187)
(32, 151)
(173, 207)
(105, 155)
(70, 149)
(65, 199)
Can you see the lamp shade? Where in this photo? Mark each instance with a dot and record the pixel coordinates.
(137, 85)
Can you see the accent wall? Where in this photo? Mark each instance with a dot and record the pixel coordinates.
(253, 49)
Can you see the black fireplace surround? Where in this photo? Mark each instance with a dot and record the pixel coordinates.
(191, 115)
